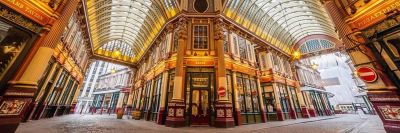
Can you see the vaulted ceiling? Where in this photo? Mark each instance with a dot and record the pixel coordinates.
(130, 26)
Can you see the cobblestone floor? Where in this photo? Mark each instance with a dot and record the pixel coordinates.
(109, 124)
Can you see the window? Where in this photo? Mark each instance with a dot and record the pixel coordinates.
(235, 44)
(175, 41)
(156, 98)
(242, 48)
(200, 37)
(248, 99)
(226, 41)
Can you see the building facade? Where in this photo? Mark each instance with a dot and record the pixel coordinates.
(205, 69)
(370, 31)
(85, 98)
(112, 91)
(316, 97)
(43, 59)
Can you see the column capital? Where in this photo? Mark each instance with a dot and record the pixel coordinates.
(219, 31)
(182, 28)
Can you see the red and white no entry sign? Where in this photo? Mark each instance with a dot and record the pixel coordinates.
(367, 74)
(222, 91)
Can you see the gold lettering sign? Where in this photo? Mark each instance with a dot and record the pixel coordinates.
(27, 10)
(375, 15)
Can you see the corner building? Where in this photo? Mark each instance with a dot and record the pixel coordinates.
(205, 69)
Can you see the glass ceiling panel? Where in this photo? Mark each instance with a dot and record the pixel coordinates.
(281, 22)
(128, 26)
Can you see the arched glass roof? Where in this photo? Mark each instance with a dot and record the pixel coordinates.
(127, 24)
(316, 45)
(281, 22)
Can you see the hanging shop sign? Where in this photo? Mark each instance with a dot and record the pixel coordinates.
(222, 91)
(375, 14)
(367, 74)
(28, 10)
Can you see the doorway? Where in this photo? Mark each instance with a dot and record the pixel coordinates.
(200, 100)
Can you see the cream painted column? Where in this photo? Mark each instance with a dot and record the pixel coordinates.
(176, 107)
(223, 107)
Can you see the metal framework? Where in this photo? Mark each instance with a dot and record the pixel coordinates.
(131, 23)
(281, 22)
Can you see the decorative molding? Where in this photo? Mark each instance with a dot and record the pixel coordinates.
(19, 19)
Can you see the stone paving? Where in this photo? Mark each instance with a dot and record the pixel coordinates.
(109, 124)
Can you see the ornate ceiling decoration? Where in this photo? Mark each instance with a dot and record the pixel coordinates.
(281, 22)
(123, 29)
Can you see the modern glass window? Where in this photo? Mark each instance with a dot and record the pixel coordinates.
(200, 37)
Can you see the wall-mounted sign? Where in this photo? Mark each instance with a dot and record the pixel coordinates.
(367, 74)
(28, 10)
(222, 91)
(375, 14)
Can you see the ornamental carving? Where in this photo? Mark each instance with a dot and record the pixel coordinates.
(19, 20)
(179, 112)
(219, 29)
(385, 25)
(182, 28)
(12, 107)
(171, 112)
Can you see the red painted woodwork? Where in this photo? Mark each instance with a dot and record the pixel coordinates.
(224, 118)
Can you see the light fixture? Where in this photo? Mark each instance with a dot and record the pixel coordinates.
(116, 53)
(314, 66)
(296, 55)
(113, 70)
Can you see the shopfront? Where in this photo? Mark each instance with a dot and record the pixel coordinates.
(17, 36)
(200, 96)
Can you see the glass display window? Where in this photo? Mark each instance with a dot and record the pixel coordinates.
(13, 42)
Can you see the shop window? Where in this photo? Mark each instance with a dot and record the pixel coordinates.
(12, 43)
(156, 97)
(284, 99)
(200, 37)
(248, 99)
(146, 94)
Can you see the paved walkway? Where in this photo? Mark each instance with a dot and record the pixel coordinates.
(109, 124)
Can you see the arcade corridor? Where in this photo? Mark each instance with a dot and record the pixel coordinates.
(218, 65)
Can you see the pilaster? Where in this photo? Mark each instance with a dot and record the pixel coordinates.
(176, 108)
(223, 106)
